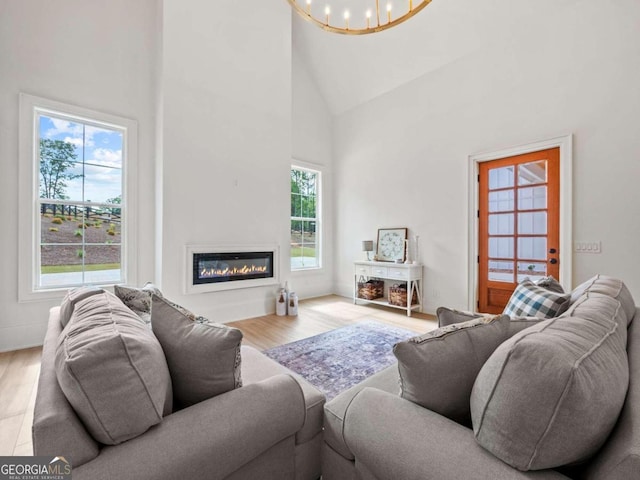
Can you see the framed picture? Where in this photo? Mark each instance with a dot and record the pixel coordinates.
(391, 244)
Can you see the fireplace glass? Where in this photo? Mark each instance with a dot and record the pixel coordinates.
(231, 266)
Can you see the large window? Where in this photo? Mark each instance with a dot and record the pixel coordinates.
(79, 158)
(305, 218)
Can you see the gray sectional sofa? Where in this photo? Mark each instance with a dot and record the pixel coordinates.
(270, 428)
(372, 433)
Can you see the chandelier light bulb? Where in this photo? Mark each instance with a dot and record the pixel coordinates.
(403, 13)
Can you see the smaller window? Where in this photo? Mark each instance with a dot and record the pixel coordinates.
(305, 218)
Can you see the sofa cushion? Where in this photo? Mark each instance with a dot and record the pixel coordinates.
(449, 316)
(550, 395)
(112, 370)
(72, 297)
(612, 287)
(138, 299)
(530, 300)
(550, 283)
(437, 369)
(203, 358)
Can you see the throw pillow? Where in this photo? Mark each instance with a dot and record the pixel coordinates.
(550, 395)
(138, 299)
(550, 283)
(112, 370)
(448, 316)
(612, 287)
(72, 297)
(530, 300)
(203, 357)
(437, 369)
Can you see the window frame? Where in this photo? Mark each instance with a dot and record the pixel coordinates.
(296, 165)
(29, 225)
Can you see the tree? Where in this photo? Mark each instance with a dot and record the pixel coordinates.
(56, 157)
(115, 200)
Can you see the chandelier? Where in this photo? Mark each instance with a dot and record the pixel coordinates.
(373, 17)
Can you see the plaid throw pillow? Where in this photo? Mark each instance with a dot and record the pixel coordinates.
(530, 300)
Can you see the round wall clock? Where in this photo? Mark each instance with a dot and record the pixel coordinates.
(391, 244)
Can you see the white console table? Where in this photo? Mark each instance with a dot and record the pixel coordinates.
(411, 274)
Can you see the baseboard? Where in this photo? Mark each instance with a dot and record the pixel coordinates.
(18, 337)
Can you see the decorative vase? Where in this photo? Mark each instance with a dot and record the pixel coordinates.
(281, 303)
(292, 308)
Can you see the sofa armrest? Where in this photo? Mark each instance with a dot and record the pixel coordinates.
(394, 438)
(210, 439)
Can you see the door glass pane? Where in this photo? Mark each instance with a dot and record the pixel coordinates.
(532, 248)
(501, 271)
(501, 177)
(501, 201)
(532, 223)
(501, 247)
(531, 198)
(532, 270)
(501, 224)
(532, 173)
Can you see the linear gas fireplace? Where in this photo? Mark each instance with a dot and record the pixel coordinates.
(217, 268)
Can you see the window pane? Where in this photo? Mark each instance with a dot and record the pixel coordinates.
(501, 177)
(102, 184)
(532, 223)
(61, 265)
(61, 224)
(102, 263)
(501, 224)
(532, 173)
(501, 201)
(501, 271)
(532, 198)
(534, 271)
(61, 180)
(532, 248)
(501, 247)
(304, 222)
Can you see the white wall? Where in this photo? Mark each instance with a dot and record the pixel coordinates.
(312, 146)
(226, 140)
(402, 159)
(54, 50)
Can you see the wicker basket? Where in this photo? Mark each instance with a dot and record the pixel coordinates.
(398, 295)
(371, 289)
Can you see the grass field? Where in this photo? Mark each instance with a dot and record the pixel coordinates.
(303, 252)
(78, 268)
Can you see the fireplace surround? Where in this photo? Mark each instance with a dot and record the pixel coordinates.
(214, 267)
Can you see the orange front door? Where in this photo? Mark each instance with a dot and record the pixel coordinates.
(519, 224)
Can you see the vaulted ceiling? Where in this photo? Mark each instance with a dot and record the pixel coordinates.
(353, 69)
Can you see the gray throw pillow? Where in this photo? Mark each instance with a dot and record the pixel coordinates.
(112, 370)
(550, 395)
(203, 357)
(550, 283)
(611, 287)
(530, 300)
(437, 369)
(138, 299)
(448, 316)
(72, 297)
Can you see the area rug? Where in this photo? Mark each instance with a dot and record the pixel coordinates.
(336, 360)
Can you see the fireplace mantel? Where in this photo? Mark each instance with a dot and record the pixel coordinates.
(190, 286)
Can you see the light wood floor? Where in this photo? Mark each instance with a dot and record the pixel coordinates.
(19, 369)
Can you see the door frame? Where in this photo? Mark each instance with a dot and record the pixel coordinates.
(565, 144)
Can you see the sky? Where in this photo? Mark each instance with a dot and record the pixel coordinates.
(99, 157)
